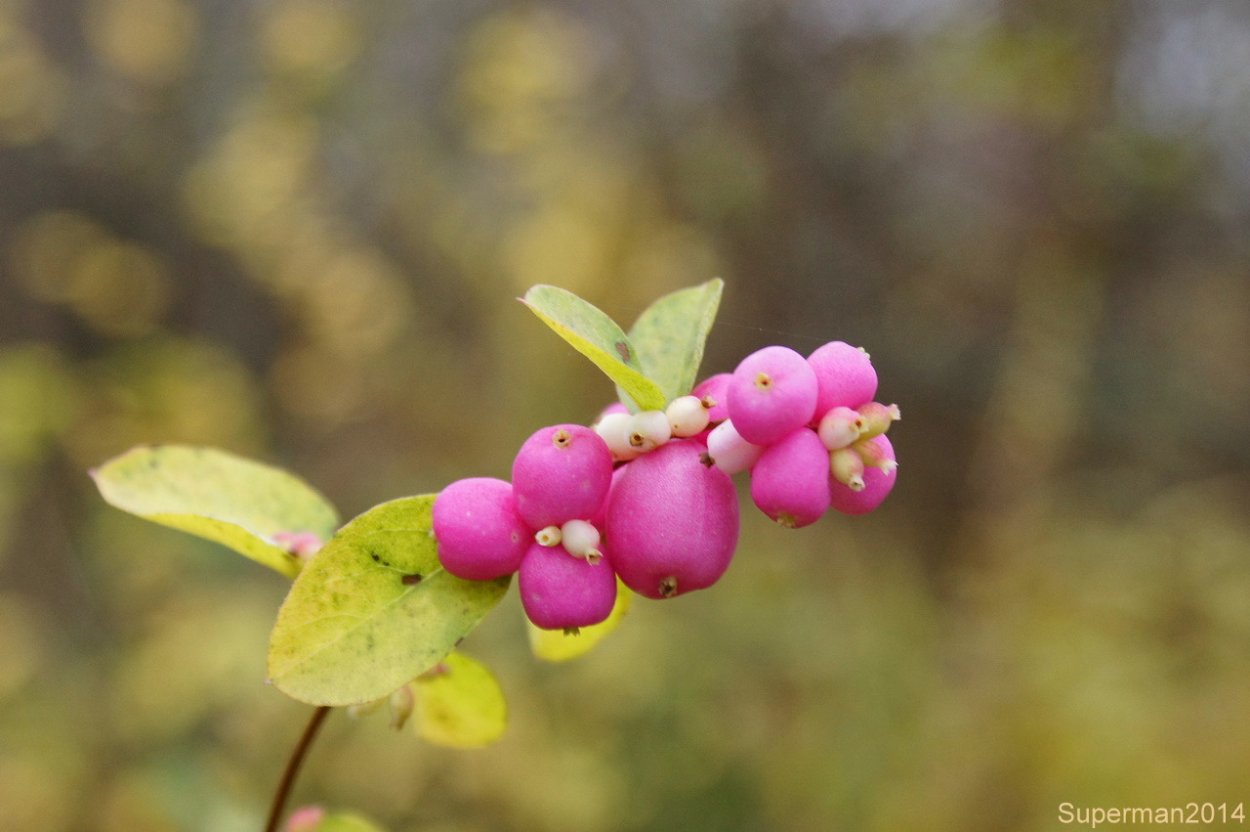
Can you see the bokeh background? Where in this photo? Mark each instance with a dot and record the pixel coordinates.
(296, 228)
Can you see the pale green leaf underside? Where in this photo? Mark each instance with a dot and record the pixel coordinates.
(373, 609)
(596, 336)
(669, 335)
(460, 705)
(217, 496)
(558, 646)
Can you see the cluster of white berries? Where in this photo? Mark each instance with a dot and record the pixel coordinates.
(629, 435)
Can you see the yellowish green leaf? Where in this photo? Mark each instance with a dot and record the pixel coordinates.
(596, 336)
(460, 704)
(217, 496)
(374, 609)
(669, 335)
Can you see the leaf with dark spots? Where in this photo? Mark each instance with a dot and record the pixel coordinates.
(349, 632)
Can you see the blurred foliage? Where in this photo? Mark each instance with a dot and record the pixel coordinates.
(294, 229)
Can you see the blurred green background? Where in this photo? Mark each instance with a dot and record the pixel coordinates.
(295, 228)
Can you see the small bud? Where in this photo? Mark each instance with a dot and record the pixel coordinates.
(581, 540)
(305, 819)
(549, 536)
(840, 427)
(303, 545)
(874, 456)
(614, 429)
(402, 702)
(687, 415)
(847, 468)
(877, 485)
(877, 418)
(729, 451)
(648, 430)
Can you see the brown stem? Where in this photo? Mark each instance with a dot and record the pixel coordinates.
(292, 768)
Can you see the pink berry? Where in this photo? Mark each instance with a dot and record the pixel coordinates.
(561, 473)
(559, 591)
(480, 535)
(790, 482)
(715, 390)
(773, 391)
(599, 520)
(672, 522)
(877, 484)
(844, 375)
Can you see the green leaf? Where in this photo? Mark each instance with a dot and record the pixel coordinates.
(460, 704)
(373, 609)
(559, 646)
(218, 496)
(345, 822)
(668, 337)
(596, 336)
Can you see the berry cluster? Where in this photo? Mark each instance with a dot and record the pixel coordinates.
(647, 497)
(808, 431)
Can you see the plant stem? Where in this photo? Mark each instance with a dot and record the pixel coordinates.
(292, 767)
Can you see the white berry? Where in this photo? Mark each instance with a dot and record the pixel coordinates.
(581, 539)
(648, 430)
(687, 415)
(729, 451)
(614, 429)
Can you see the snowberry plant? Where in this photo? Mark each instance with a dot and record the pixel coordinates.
(641, 502)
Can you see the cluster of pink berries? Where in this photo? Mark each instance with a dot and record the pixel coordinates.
(807, 429)
(648, 496)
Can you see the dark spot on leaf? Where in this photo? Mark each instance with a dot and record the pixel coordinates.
(411, 580)
(622, 349)
(375, 557)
